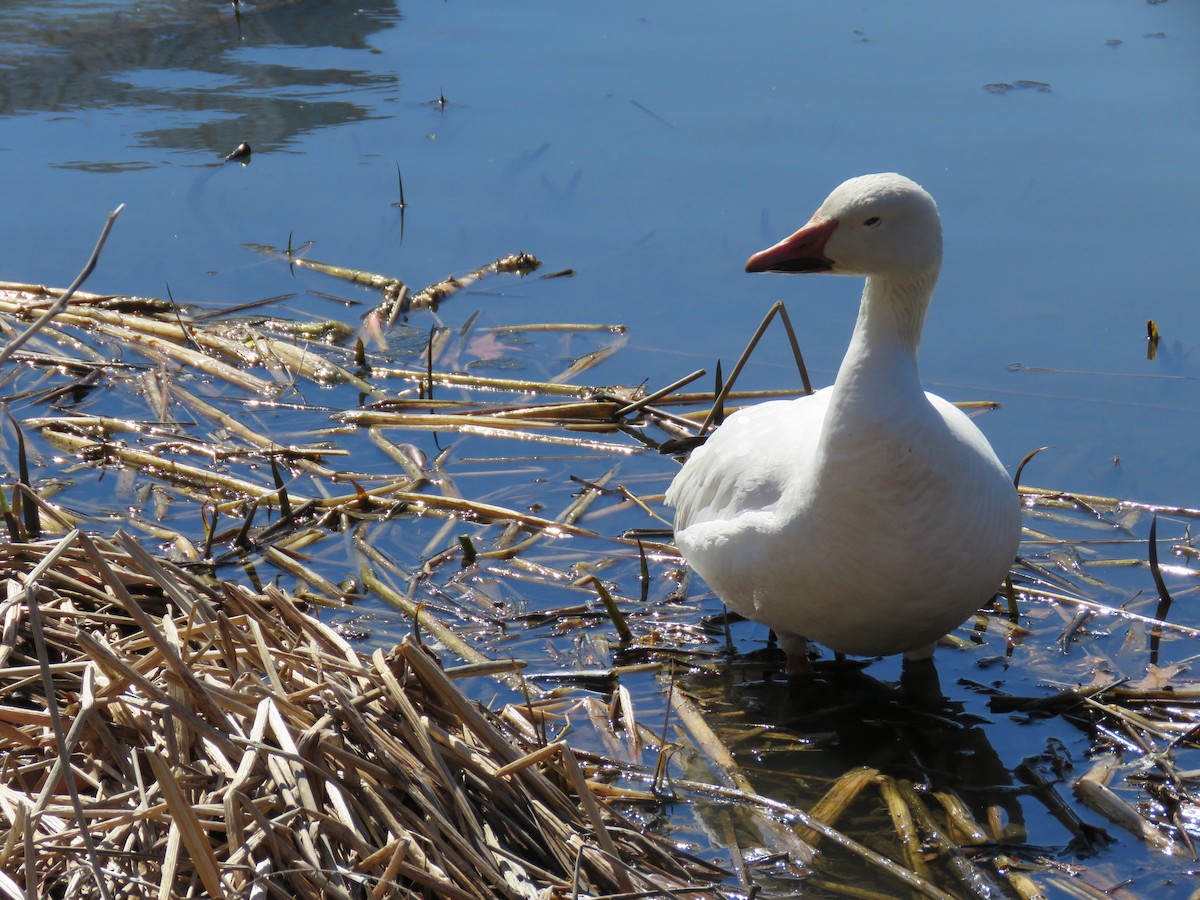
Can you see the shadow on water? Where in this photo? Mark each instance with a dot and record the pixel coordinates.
(843, 719)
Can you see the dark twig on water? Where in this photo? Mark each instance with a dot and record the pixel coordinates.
(401, 204)
(1164, 596)
(1021, 465)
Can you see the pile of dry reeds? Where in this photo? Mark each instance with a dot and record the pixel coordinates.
(167, 737)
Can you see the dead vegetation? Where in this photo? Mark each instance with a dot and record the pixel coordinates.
(173, 737)
(235, 714)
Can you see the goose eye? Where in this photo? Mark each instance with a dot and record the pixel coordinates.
(873, 221)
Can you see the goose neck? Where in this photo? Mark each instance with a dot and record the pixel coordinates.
(884, 346)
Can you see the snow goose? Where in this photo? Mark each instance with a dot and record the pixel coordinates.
(870, 516)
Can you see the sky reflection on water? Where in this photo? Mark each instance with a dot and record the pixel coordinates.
(652, 151)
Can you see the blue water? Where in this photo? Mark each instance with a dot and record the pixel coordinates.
(651, 149)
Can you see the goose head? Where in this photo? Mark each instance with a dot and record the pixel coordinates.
(884, 226)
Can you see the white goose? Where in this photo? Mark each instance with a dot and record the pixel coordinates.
(870, 516)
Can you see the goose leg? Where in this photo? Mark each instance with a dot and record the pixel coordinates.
(921, 653)
(796, 648)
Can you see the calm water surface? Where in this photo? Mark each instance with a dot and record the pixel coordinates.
(651, 149)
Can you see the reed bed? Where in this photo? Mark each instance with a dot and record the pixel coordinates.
(246, 669)
(167, 737)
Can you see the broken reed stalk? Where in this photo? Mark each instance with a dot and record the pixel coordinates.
(397, 300)
(61, 302)
(1099, 500)
(777, 309)
(610, 606)
(1092, 788)
(749, 799)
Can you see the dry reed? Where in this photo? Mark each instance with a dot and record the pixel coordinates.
(170, 732)
(209, 740)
